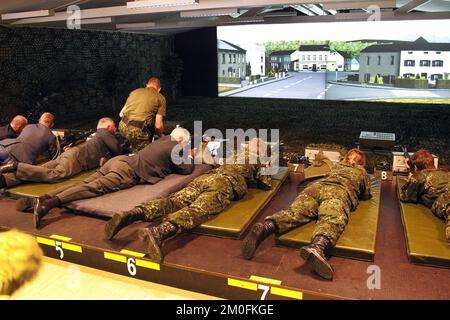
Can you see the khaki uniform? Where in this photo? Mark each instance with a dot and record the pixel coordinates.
(432, 188)
(206, 196)
(329, 201)
(140, 112)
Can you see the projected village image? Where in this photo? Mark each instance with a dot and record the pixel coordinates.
(340, 61)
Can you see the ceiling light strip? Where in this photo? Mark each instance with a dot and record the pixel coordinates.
(97, 21)
(137, 26)
(159, 3)
(209, 13)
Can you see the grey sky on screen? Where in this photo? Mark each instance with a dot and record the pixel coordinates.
(432, 30)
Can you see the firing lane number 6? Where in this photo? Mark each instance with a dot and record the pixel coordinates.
(131, 265)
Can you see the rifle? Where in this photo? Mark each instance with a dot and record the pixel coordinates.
(75, 137)
(408, 159)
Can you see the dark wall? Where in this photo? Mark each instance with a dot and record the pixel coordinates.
(74, 73)
(198, 51)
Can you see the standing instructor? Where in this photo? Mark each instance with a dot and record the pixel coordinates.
(143, 115)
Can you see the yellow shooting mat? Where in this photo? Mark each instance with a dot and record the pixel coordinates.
(424, 233)
(31, 190)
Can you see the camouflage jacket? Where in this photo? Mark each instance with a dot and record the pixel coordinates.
(353, 179)
(241, 175)
(425, 186)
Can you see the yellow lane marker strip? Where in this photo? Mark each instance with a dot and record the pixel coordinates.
(52, 243)
(115, 257)
(133, 253)
(265, 280)
(139, 262)
(148, 264)
(72, 247)
(286, 293)
(242, 284)
(57, 237)
(46, 241)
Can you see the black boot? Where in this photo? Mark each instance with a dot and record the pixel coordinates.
(154, 238)
(9, 167)
(121, 220)
(26, 204)
(314, 255)
(259, 232)
(2, 182)
(41, 206)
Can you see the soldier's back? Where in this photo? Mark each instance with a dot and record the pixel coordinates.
(142, 104)
(435, 182)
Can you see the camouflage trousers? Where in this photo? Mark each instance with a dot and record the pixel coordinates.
(204, 197)
(328, 204)
(138, 138)
(441, 209)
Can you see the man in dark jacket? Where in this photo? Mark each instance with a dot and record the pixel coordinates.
(84, 157)
(159, 159)
(33, 141)
(12, 130)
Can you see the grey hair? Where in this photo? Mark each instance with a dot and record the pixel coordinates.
(104, 123)
(181, 135)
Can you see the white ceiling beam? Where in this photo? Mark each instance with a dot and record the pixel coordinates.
(410, 6)
(119, 11)
(27, 14)
(214, 4)
(359, 4)
(188, 24)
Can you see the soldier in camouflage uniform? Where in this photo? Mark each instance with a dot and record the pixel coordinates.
(329, 201)
(429, 186)
(188, 208)
(138, 138)
(143, 115)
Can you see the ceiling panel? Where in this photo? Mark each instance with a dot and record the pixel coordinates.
(273, 11)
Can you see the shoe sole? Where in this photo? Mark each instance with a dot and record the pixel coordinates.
(36, 219)
(111, 226)
(316, 264)
(249, 247)
(153, 250)
(24, 204)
